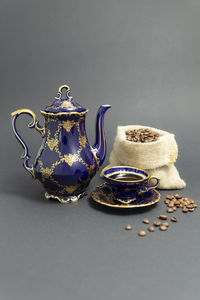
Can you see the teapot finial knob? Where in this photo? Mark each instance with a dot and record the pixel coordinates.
(60, 90)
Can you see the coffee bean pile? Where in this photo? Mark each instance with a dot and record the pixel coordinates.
(173, 202)
(176, 201)
(142, 135)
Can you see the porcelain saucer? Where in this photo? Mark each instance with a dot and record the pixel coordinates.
(102, 194)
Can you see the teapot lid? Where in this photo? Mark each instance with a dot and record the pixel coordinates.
(64, 103)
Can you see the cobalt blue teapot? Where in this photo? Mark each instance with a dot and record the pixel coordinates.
(65, 162)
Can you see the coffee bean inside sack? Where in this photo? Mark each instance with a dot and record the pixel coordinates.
(175, 201)
(142, 135)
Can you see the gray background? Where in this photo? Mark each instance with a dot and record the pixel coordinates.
(142, 57)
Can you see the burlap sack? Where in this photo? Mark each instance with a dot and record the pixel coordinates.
(157, 158)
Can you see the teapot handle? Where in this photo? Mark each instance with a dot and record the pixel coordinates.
(34, 124)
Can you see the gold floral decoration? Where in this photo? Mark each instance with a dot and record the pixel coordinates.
(70, 188)
(52, 143)
(67, 104)
(46, 173)
(68, 125)
(91, 169)
(82, 140)
(70, 158)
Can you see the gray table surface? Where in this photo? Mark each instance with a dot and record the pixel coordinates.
(143, 58)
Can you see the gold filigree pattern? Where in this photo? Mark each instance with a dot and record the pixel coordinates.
(67, 104)
(52, 143)
(91, 169)
(82, 140)
(70, 188)
(70, 158)
(57, 114)
(45, 172)
(68, 125)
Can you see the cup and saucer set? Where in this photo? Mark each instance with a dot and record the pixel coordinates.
(126, 187)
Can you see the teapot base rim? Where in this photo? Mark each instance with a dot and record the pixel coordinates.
(65, 199)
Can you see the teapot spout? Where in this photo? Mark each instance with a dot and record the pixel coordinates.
(99, 148)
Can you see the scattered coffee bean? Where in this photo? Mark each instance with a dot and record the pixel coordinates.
(174, 219)
(163, 228)
(142, 135)
(157, 223)
(151, 228)
(173, 202)
(142, 233)
(146, 221)
(128, 227)
(163, 217)
(170, 210)
(166, 224)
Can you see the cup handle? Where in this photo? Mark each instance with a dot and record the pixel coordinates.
(148, 187)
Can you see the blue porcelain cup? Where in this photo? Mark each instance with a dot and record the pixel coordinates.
(128, 182)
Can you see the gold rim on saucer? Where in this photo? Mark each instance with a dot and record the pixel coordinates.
(102, 194)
